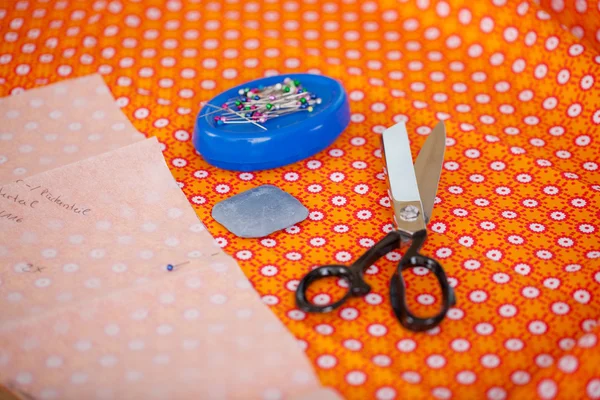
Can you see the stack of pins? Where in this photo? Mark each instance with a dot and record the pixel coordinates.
(257, 106)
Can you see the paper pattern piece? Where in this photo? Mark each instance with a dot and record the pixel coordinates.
(59, 124)
(88, 309)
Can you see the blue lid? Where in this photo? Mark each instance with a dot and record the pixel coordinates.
(289, 138)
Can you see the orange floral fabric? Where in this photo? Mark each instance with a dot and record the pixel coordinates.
(580, 17)
(516, 220)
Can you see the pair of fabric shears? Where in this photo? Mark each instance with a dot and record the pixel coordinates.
(412, 192)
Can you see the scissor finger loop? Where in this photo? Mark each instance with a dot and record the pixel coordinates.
(353, 275)
(413, 259)
(325, 271)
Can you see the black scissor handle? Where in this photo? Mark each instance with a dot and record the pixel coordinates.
(353, 275)
(413, 259)
(356, 287)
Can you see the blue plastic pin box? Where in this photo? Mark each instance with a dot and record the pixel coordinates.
(289, 138)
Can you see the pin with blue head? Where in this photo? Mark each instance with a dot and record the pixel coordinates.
(171, 267)
(271, 122)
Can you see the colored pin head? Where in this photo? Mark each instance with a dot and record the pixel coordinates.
(171, 267)
(271, 102)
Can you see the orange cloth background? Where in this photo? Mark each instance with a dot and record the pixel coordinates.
(516, 225)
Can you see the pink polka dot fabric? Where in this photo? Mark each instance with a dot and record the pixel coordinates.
(59, 124)
(88, 308)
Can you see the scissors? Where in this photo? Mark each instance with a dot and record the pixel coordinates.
(412, 191)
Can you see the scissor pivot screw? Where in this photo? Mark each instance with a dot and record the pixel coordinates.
(409, 213)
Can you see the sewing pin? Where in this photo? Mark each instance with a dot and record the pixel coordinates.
(171, 267)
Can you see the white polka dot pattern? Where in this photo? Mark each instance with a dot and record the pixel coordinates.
(59, 124)
(518, 92)
(110, 319)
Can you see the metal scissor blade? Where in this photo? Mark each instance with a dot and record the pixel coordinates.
(404, 190)
(398, 164)
(428, 167)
